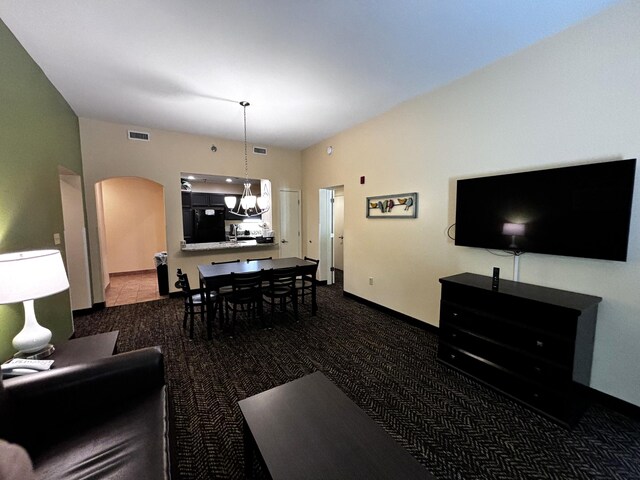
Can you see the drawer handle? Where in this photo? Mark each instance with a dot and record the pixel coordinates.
(539, 343)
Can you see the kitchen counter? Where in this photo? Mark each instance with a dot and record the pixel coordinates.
(198, 247)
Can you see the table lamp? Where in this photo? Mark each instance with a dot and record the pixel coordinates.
(24, 277)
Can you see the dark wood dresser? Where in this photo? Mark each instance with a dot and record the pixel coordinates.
(532, 343)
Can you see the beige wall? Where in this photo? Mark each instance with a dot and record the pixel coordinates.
(134, 222)
(107, 153)
(573, 98)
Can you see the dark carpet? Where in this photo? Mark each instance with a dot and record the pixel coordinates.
(455, 427)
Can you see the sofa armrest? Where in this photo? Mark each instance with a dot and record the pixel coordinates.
(56, 398)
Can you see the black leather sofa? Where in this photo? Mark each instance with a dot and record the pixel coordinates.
(103, 419)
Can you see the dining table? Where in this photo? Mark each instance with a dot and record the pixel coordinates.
(215, 276)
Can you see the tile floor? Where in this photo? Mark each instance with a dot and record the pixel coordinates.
(135, 287)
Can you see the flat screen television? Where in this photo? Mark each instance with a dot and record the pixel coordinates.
(577, 211)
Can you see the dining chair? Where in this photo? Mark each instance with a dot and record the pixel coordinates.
(222, 291)
(256, 259)
(282, 290)
(265, 282)
(245, 297)
(194, 303)
(227, 261)
(304, 283)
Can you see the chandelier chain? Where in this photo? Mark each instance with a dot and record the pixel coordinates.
(246, 162)
(249, 205)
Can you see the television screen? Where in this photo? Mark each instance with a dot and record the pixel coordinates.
(578, 211)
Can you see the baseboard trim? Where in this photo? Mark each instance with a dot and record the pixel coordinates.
(132, 272)
(400, 316)
(86, 311)
(614, 403)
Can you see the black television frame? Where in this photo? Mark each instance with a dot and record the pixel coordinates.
(579, 211)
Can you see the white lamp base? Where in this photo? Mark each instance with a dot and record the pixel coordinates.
(44, 353)
(33, 339)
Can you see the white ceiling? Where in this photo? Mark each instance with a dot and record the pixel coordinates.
(309, 68)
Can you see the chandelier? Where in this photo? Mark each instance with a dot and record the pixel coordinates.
(249, 205)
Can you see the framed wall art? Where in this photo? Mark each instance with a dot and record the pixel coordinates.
(402, 205)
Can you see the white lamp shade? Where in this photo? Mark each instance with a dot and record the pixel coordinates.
(513, 229)
(263, 202)
(230, 201)
(248, 201)
(30, 275)
(251, 201)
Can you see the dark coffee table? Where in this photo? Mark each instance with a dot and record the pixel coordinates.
(309, 428)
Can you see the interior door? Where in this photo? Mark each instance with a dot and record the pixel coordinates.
(290, 236)
(338, 232)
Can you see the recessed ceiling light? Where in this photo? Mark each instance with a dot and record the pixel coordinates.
(329, 150)
(228, 180)
(191, 177)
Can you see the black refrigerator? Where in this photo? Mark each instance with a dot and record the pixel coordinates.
(208, 225)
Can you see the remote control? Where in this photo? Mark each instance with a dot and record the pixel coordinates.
(495, 280)
(26, 363)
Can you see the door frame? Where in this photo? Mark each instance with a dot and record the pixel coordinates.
(325, 251)
(75, 241)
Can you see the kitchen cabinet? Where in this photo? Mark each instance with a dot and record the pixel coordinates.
(186, 199)
(532, 343)
(204, 199)
(200, 199)
(187, 224)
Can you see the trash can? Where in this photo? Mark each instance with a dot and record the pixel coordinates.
(162, 270)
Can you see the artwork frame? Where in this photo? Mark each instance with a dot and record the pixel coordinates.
(377, 207)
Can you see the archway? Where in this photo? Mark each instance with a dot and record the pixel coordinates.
(131, 228)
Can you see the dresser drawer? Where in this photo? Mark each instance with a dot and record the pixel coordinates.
(533, 314)
(557, 404)
(521, 363)
(546, 346)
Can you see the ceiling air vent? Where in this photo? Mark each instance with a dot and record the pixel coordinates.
(259, 150)
(143, 136)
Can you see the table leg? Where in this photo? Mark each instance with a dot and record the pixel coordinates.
(207, 301)
(248, 451)
(314, 303)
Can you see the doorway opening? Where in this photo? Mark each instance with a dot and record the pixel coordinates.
(331, 232)
(131, 230)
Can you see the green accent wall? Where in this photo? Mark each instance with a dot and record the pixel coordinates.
(38, 133)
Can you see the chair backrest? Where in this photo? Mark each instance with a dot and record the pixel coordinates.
(283, 277)
(228, 261)
(256, 259)
(312, 275)
(246, 286)
(183, 283)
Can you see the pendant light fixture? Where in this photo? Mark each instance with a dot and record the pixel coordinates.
(249, 205)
